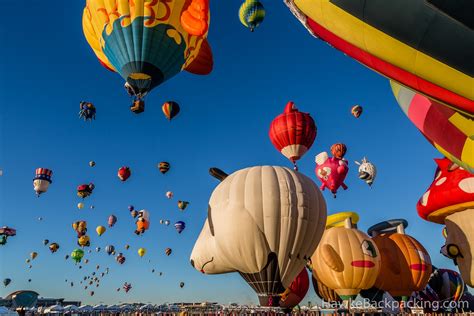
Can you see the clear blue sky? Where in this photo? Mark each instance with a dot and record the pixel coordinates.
(47, 68)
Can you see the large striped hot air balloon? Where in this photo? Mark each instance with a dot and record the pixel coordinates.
(451, 132)
(170, 109)
(42, 180)
(292, 133)
(251, 14)
(148, 42)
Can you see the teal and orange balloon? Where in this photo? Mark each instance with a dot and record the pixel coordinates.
(149, 42)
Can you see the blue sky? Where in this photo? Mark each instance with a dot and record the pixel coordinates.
(48, 68)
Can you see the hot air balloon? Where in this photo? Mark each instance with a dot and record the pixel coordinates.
(77, 255)
(112, 220)
(292, 133)
(80, 205)
(405, 263)
(109, 249)
(141, 252)
(127, 287)
(170, 109)
(6, 232)
(42, 180)
(232, 239)
(172, 38)
(450, 200)
(449, 131)
(297, 290)
(84, 241)
(143, 222)
(167, 222)
(180, 226)
(6, 281)
(356, 111)
(181, 284)
(447, 284)
(126, 247)
(100, 230)
(53, 247)
(164, 167)
(84, 190)
(325, 293)
(367, 171)
(182, 205)
(124, 173)
(45, 242)
(91, 163)
(350, 266)
(80, 227)
(251, 14)
(120, 258)
(331, 171)
(87, 111)
(33, 255)
(370, 33)
(169, 194)
(168, 251)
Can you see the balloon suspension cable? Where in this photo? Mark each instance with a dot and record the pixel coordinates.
(202, 268)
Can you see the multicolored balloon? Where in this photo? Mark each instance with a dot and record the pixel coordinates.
(356, 111)
(77, 255)
(87, 111)
(53, 247)
(152, 45)
(182, 205)
(164, 167)
(251, 14)
(42, 180)
(109, 249)
(170, 109)
(85, 190)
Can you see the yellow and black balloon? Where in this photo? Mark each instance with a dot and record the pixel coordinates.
(425, 46)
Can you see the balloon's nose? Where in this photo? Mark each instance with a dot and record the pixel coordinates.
(192, 262)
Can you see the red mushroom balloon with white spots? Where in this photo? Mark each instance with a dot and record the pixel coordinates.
(450, 200)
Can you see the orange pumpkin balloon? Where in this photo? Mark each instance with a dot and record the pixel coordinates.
(406, 265)
(346, 259)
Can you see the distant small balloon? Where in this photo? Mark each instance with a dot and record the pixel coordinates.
(80, 205)
(356, 111)
(91, 163)
(169, 194)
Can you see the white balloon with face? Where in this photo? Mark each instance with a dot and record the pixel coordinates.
(256, 212)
